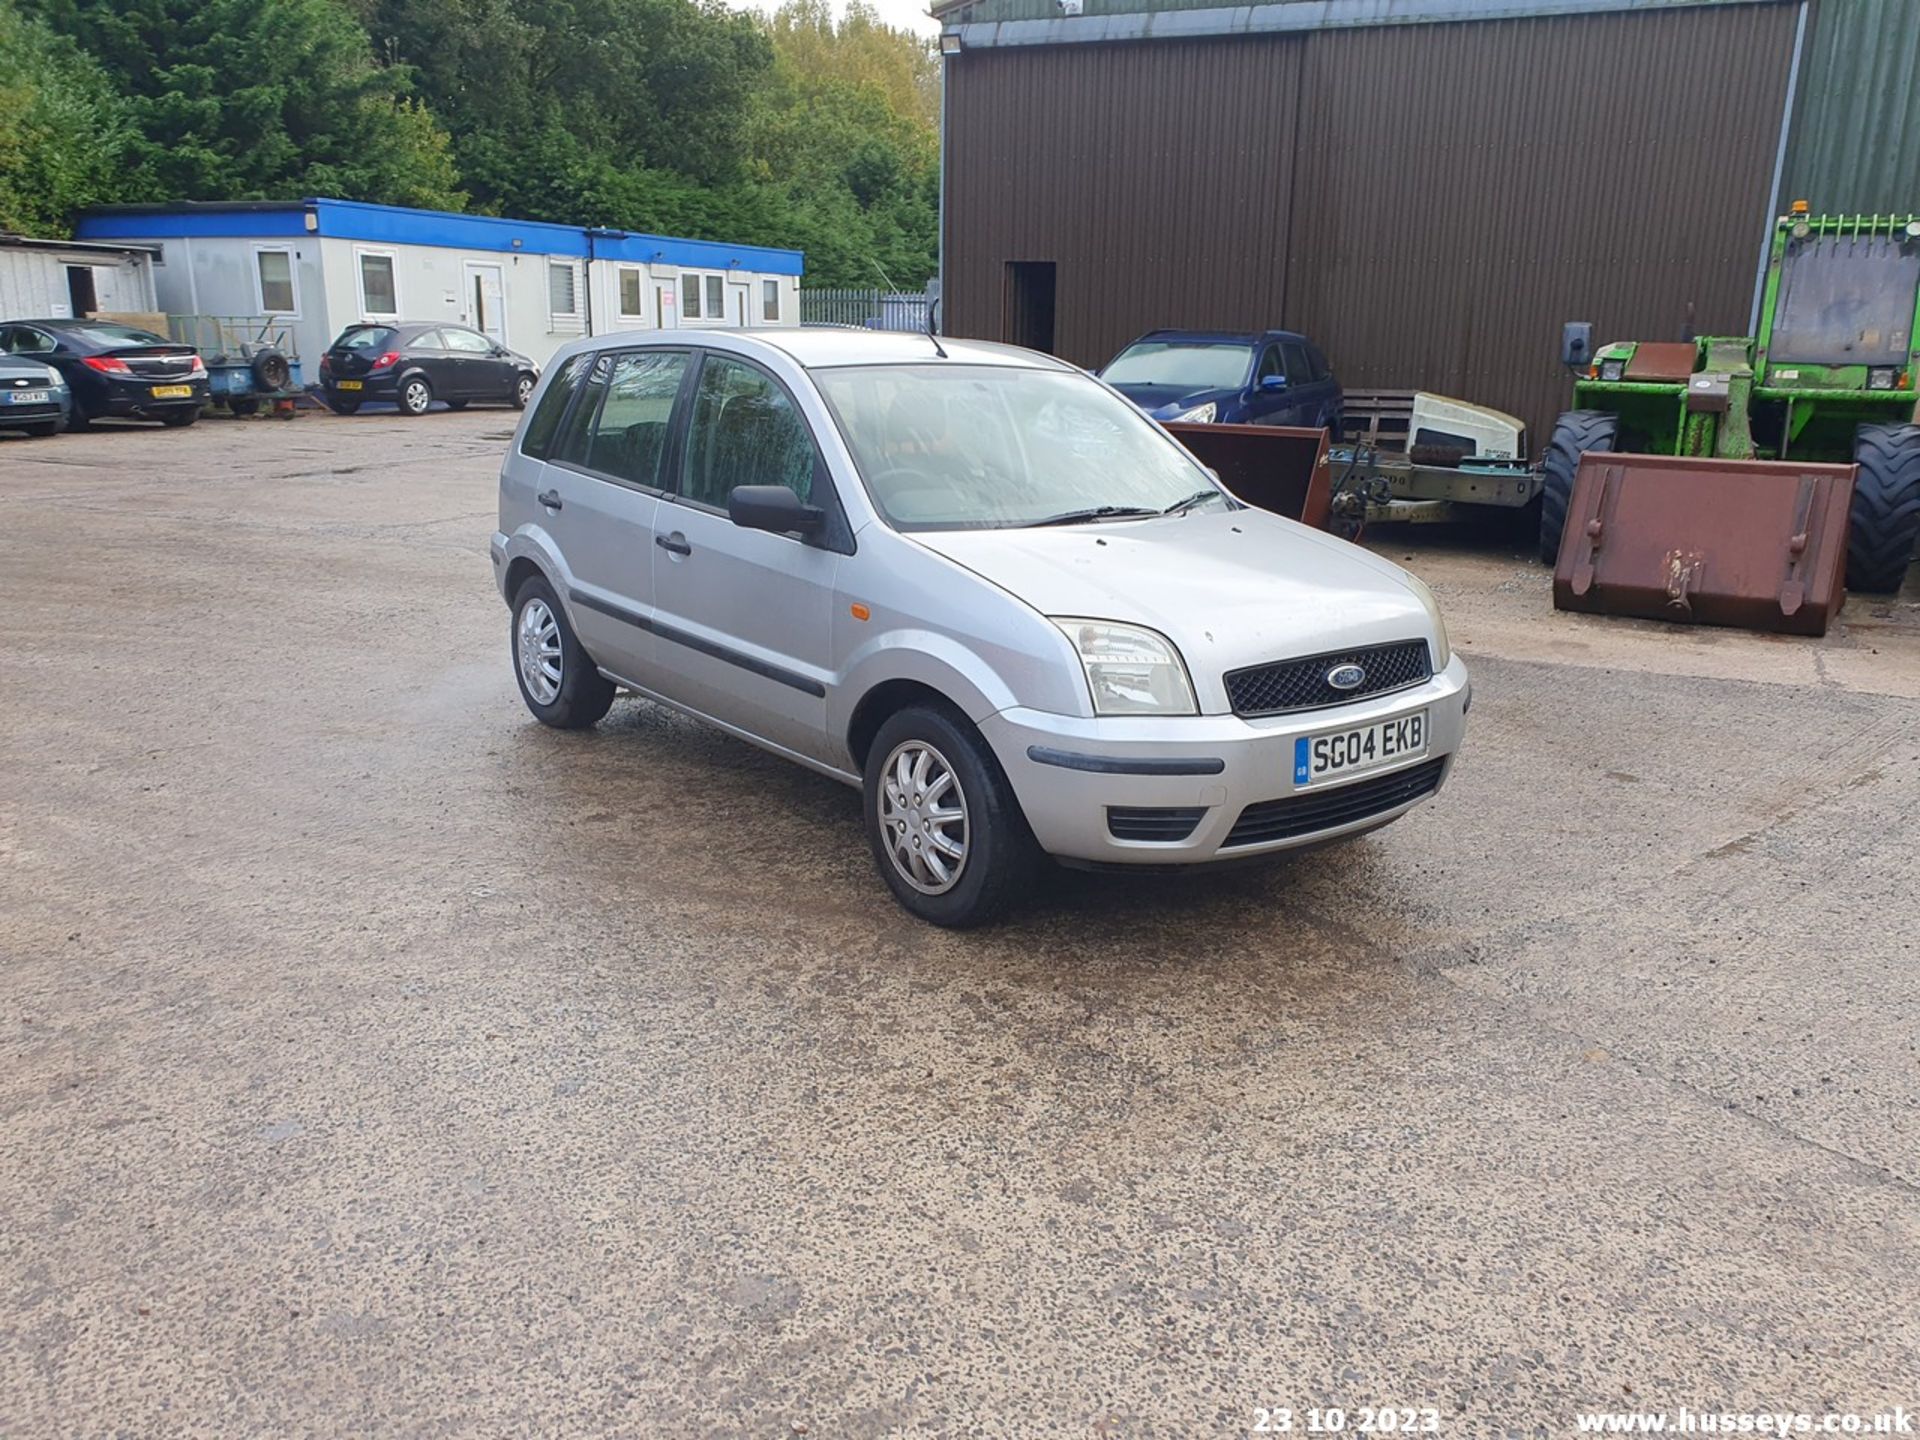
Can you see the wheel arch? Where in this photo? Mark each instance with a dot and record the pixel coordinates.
(881, 703)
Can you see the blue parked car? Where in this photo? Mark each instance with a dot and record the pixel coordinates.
(1213, 377)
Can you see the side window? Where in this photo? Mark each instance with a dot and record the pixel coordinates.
(1299, 372)
(1321, 370)
(571, 443)
(743, 431)
(1269, 364)
(467, 342)
(553, 404)
(25, 340)
(428, 340)
(628, 435)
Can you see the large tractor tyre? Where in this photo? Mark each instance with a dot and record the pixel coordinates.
(1574, 433)
(1885, 519)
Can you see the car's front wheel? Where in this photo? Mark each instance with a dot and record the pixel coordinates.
(523, 391)
(944, 825)
(558, 679)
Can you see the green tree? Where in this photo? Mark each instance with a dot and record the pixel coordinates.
(63, 129)
(261, 99)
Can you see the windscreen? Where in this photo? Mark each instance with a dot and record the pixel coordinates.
(1210, 366)
(1846, 300)
(963, 447)
(366, 337)
(100, 333)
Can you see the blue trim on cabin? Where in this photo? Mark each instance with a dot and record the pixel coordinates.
(402, 225)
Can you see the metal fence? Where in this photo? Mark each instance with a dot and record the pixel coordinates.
(869, 309)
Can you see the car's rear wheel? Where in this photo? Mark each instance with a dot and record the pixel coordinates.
(415, 396)
(523, 391)
(341, 405)
(946, 831)
(180, 419)
(558, 679)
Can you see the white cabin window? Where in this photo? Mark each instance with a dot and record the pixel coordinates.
(273, 272)
(633, 302)
(770, 300)
(379, 292)
(702, 297)
(563, 290)
(716, 298)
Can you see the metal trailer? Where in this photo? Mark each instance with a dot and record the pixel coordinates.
(251, 362)
(1414, 457)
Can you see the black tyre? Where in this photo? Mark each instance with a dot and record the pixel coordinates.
(557, 678)
(523, 390)
(244, 405)
(946, 831)
(42, 428)
(416, 395)
(1885, 519)
(1574, 433)
(341, 405)
(78, 420)
(457, 404)
(180, 419)
(271, 371)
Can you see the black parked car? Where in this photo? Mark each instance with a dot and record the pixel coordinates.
(414, 365)
(114, 369)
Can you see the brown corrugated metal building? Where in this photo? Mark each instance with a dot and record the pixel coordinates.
(1427, 187)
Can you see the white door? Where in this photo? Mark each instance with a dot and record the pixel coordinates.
(486, 300)
(664, 301)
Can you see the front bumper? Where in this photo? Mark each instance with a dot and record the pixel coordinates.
(1067, 771)
(12, 415)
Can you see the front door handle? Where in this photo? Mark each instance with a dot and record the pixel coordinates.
(673, 544)
(549, 498)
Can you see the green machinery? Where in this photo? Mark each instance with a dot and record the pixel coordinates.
(1829, 379)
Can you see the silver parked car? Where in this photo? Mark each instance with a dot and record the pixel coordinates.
(974, 582)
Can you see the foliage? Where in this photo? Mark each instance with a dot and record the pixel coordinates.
(63, 129)
(675, 116)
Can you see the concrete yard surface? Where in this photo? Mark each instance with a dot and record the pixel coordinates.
(378, 1062)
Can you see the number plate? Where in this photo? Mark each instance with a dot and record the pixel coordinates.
(1359, 747)
(346, 385)
(172, 392)
(29, 397)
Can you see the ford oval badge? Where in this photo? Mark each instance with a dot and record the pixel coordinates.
(1346, 677)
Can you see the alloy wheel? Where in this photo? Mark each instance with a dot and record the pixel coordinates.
(523, 391)
(923, 814)
(537, 645)
(417, 397)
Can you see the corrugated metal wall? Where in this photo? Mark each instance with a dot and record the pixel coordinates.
(1430, 202)
(1856, 134)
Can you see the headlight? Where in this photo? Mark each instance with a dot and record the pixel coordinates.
(1130, 669)
(1443, 646)
(1199, 414)
(1880, 377)
(1612, 369)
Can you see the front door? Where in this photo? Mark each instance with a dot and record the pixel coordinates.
(486, 300)
(743, 618)
(479, 374)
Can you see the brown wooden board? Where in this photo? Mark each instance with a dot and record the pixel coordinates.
(1761, 544)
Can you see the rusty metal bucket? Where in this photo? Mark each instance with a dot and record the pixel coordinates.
(1282, 468)
(1760, 544)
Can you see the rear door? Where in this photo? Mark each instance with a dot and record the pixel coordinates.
(600, 495)
(744, 617)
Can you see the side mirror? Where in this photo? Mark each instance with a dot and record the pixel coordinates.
(1273, 383)
(1576, 342)
(775, 508)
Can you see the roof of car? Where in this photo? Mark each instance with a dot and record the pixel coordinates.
(1220, 337)
(824, 346)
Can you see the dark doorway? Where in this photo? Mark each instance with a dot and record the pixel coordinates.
(80, 294)
(1029, 317)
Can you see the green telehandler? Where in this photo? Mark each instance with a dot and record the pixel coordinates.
(1829, 379)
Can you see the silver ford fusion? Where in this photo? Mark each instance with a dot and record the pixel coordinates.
(973, 582)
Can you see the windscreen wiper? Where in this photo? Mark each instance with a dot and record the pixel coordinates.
(1096, 512)
(1180, 507)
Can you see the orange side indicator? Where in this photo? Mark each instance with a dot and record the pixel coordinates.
(861, 612)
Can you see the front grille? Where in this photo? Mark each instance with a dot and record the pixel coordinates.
(1315, 810)
(1163, 823)
(1302, 684)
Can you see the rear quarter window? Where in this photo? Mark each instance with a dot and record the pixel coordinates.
(538, 440)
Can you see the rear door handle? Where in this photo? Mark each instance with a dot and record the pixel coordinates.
(549, 498)
(672, 546)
